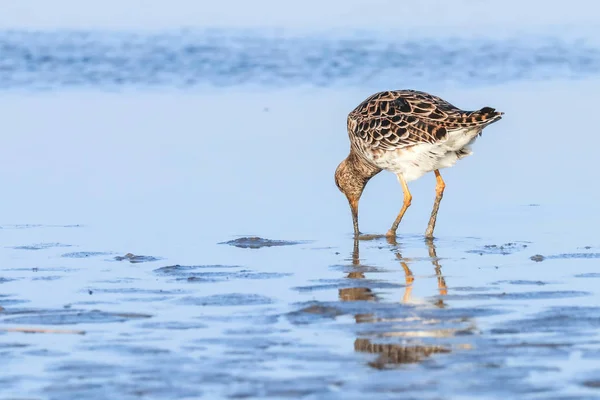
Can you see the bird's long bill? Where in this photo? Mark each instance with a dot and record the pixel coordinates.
(354, 209)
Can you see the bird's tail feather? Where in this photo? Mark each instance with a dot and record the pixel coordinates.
(485, 116)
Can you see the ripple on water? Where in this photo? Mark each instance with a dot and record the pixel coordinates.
(588, 275)
(34, 226)
(173, 325)
(6, 300)
(521, 282)
(67, 317)
(328, 284)
(376, 312)
(541, 295)
(40, 246)
(556, 320)
(229, 299)
(565, 256)
(85, 254)
(203, 273)
(359, 268)
(97, 380)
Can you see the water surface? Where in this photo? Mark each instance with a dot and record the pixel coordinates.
(171, 228)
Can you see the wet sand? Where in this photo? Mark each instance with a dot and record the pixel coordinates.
(157, 246)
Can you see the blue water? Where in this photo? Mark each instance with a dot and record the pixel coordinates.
(239, 136)
(229, 57)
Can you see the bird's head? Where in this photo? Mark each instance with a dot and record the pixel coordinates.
(352, 175)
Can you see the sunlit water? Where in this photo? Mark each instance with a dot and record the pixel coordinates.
(170, 145)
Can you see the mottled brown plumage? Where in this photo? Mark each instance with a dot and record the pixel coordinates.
(402, 118)
(410, 133)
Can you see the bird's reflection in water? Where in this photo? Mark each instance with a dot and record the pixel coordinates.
(442, 288)
(357, 293)
(391, 354)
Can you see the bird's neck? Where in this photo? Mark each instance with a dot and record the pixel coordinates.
(353, 174)
(361, 167)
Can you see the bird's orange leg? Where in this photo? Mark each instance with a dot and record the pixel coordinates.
(439, 193)
(405, 205)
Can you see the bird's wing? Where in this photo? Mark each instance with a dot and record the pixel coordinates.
(396, 119)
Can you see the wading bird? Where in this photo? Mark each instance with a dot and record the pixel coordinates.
(409, 133)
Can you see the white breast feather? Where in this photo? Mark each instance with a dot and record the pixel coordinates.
(422, 158)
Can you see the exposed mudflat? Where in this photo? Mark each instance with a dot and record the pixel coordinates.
(283, 324)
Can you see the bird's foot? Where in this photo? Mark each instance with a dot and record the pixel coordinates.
(429, 237)
(429, 234)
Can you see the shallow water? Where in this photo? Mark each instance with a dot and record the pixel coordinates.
(171, 228)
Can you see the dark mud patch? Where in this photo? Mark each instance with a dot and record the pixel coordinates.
(255, 242)
(565, 256)
(314, 313)
(542, 295)
(40, 246)
(132, 258)
(329, 284)
(85, 254)
(227, 300)
(68, 317)
(202, 273)
(495, 249)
